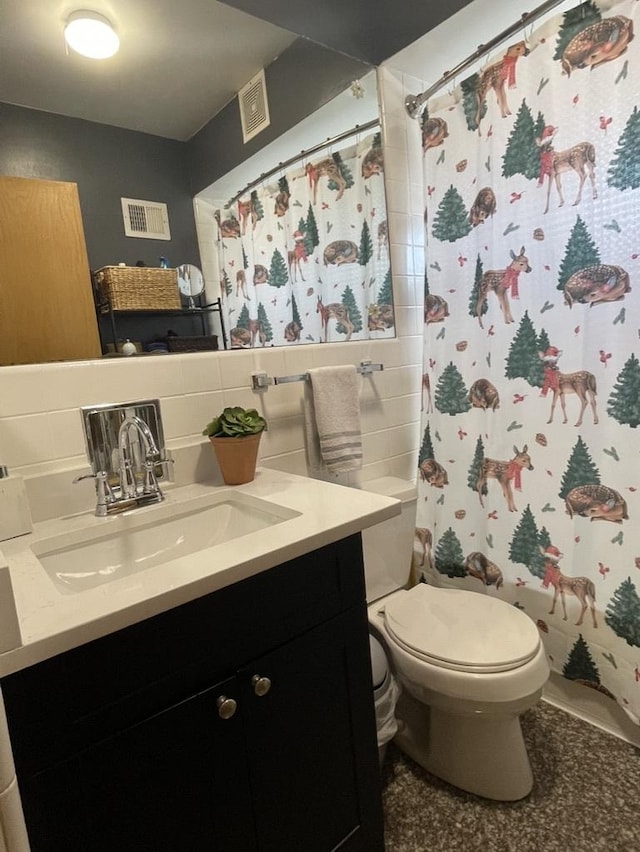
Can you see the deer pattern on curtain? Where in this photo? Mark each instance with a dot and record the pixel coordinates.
(306, 258)
(529, 465)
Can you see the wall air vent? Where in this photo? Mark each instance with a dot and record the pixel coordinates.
(147, 220)
(254, 109)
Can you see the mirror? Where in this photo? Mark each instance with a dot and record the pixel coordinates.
(47, 145)
(297, 236)
(190, 283)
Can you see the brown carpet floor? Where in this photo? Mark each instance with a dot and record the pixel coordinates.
(586, 797)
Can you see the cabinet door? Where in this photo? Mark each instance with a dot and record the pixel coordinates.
(176, 781)
(311, 743)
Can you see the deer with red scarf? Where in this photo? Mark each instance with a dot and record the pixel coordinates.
(580, 587)
(502, 282)
(506, 473)
(498, 76)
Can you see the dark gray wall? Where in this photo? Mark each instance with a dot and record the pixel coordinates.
(107, 163)
(371, 31)
(303, 78)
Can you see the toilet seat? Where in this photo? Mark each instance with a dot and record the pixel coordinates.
(460, 630)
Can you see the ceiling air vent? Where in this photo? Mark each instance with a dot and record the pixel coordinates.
(145, 219)
(254, 109)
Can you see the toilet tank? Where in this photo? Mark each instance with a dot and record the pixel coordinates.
(388, 546)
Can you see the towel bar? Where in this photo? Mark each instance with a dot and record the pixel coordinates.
(260, 381)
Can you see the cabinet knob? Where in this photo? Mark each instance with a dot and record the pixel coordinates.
(261, 685)
(226, 707)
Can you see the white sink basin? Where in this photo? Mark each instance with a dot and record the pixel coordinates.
(123, 545)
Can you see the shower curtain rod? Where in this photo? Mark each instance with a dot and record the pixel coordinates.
(414, 104)
(305, 153)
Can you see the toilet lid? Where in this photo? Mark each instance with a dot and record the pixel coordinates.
(461, 630)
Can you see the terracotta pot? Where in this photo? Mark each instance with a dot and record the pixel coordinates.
(237, 458)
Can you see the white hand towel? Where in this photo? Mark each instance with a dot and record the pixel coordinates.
(332, 413)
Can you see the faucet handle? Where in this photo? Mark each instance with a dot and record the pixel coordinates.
(150, 485)
(158, 462)
(104, 492)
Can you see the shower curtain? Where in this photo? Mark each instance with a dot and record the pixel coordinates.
(529, 466)
(305, 259)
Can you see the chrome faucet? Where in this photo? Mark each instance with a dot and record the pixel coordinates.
(125, 446)
(126, 456)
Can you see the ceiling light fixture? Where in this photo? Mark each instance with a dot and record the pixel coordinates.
(91, 35)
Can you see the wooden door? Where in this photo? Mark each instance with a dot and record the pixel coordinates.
(46, 303)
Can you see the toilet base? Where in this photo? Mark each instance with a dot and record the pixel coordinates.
(481, 753)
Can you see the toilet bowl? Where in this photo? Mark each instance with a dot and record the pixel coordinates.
(469, 665)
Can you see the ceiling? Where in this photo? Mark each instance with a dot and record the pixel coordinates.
(180, 63)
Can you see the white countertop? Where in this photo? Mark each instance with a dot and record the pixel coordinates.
(52, 622)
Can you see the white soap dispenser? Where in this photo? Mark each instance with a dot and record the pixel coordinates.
(15, 515)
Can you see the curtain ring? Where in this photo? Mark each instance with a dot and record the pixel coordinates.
(527, 37)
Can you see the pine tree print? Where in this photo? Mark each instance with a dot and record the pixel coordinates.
(573, 22)
(475, 468)
(536, 372)
(538, 127)
(365, 252)
(348, 300)
(525, 543)
(448, 555)
(581, 251)
(522, 156)
(523, 361)
(310, 231)
(243, 318)
(278, 275)
(451, 221)
(295, 314)
(263, 319)
(537, 564)
(227, 288)
(580, 665)
(344, 170)
(307, 241)
(624, 402)
(475, 292)
(245, 259)
(426, 450)
(451, 397)
(385, 295)
(258, 210)
(470, 101)
(623, 613)
(580, 470)
(624, 170)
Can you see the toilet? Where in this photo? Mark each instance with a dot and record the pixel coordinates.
(469, 664)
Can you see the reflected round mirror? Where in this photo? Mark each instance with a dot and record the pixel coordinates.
(190, 282)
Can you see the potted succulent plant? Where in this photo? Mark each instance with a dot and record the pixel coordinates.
(235, 436)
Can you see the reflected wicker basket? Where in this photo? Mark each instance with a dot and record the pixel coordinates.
(137, 288)
(204, 343)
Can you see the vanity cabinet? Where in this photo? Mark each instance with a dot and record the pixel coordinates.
(241, 721)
